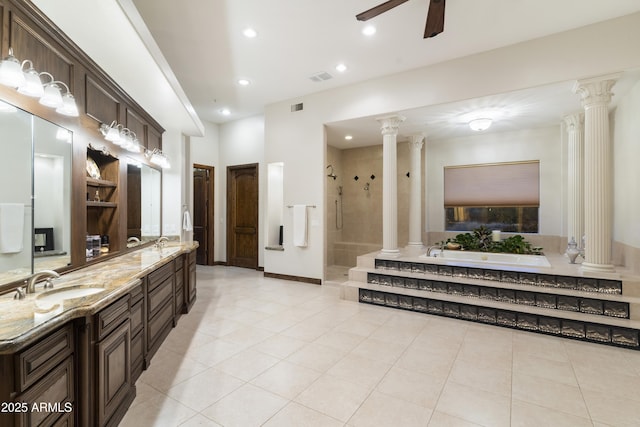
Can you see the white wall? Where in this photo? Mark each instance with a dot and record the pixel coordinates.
(297, 139)
(242, 142)
(172, 190)
(626, 155)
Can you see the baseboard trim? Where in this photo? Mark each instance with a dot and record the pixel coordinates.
(293, 278)
(220, 263)
(260, 268)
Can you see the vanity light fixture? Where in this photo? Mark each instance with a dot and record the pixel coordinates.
(28, 83)
(480, 124)
(121, 136)
(157, 157)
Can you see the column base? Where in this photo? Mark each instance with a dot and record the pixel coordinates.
(390, 252)
(604, 268)
(415, 245)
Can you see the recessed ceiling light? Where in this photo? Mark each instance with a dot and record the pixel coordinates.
(225, 112)
(250, 33)
(348, 137)
(369, 30)
(341, 68)
(244, 82)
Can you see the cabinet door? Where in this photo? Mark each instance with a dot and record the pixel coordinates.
(113, 368)
(53, 397)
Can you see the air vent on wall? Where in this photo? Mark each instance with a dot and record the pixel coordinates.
(296, 107)
(320, 77)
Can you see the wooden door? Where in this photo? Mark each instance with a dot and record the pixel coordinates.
(242, 216)
(203, 225)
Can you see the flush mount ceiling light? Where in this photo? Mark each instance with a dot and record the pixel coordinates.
(28, 83)
(250, 33)
(369, 30)
(225, 112)
(480, 124)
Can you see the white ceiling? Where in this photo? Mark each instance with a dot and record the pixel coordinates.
(202, 43)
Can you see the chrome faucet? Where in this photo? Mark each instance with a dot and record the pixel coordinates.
(431, 248)
(161, 241)
(44, 274)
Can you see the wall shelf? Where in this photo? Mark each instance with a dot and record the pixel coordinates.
(92, 204)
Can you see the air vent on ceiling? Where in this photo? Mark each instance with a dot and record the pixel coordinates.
(296, 107)
(320, 77)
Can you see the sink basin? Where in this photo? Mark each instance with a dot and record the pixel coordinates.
(56, 296)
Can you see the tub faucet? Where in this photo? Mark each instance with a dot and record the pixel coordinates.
(162, 240)
(46, 274)
(431, 248)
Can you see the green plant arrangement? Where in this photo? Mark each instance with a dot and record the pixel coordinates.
(480, 240)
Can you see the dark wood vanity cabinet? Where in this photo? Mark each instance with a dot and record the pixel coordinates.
(190, 280)
(114, 389)
(41, 377)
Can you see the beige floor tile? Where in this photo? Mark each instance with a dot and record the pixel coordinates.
(213, 353)
(247, 364)
(279, 345)
(610, 383)
(411, 386)
(417, 359)
(204, 389)
(306, 331)
(477, 406)
(168, 369)
(247, 336)
(247, 406)
(383, 410)
(278, 322)
(440, 419)
(359, 370)
(316, 356)
(295, 414)
(612, 410)
(358, 326)
(528, 415)
(528, 364)
(286, 379)
(161, 411)
(492, 379)
(549, 394)
(541, 346)
(182, 340)
(394, 335)
(333, 397)
(200, 420)
(375, 349)
(340, 340)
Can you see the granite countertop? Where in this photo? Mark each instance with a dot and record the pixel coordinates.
(23, 321)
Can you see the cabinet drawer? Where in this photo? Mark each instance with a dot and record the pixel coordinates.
(159, 326)
(160, 275)
(137, 294)
(192, 258)
(159, 296)
(54, 390)
(40, 358)
(137, 317)
(111, 317)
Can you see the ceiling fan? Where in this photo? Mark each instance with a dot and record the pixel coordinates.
(435, 15)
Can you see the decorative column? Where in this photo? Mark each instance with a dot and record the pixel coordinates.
(575, 175)
(598, 222)
(415, 193)
(389, 128)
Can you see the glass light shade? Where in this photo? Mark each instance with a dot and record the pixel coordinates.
(32, 85)
(480, 124)
(69, 107)
(11, 71)
(52, 96)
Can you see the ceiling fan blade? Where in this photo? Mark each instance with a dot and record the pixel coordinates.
(377, 10)
(435, 19)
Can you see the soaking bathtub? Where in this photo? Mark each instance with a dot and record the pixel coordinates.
(491, 258)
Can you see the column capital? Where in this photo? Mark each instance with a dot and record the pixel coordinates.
(574, 121)
(389, 124)
(596, 90)
(416, 141)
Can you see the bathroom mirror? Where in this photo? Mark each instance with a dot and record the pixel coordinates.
(35, 201)
(275, 205)
(144, 189)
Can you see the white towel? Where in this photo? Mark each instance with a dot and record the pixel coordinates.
(11, 228)
(300, 226)
(186, 221)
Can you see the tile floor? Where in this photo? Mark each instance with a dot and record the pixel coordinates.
(256, 351)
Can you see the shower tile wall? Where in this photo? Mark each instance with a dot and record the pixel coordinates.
(362, 210)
